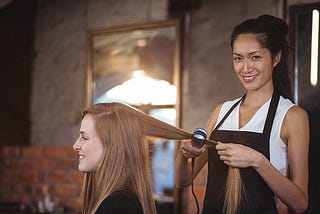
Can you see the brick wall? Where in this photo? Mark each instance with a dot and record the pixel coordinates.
(199, 183)
(26, 173)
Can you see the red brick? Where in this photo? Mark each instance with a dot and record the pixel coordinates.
(67, 190)
(25, 170)
(72, 203)
(56, 177)
(4, 189)
(69, 152)
(37, 188)
(64, 164)
(43, 164)
(19, 188)
(22, 164)
(75, 176)
(6, 163)
(33, 152)
(32, 176)
(9, 152)
(10, 198)
(58, 152)
(10, 176)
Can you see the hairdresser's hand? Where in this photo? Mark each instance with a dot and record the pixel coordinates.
(189, 151)
(237, 155)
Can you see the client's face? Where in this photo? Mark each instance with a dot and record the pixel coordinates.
(88, 145)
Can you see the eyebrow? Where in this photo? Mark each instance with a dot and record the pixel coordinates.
(83, 133)
(253, 52)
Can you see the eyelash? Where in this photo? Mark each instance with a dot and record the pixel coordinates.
(256, 57)
(83, 138)
(237, 59)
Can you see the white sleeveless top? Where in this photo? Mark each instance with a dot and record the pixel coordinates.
(278, 149)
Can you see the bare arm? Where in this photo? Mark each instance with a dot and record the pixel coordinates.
(183, 168)
(293, 191)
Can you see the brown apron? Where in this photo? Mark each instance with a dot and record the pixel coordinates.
(258, 196)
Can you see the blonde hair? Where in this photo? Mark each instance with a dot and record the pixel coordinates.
(233, 191)
(123, 130)
(126, 162)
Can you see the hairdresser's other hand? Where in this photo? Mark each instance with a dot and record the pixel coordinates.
(189, 151)
(237, 155)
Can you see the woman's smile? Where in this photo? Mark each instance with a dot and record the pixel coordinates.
(249, 78)
(81, 157)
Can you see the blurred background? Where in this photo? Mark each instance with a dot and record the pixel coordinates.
(170, 58)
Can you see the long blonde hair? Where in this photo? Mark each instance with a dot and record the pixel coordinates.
(233, 192)
(126, 161)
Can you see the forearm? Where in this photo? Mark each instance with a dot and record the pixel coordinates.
(183, 173)
(286, 190)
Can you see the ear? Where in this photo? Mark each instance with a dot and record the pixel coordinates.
(276, 59)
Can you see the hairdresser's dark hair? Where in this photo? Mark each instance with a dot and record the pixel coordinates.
(271, 33)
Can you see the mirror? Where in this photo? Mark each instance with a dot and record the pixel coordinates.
(140, 65)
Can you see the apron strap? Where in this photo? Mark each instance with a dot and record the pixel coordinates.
(229, 112)
(270, 116)
(271, 113)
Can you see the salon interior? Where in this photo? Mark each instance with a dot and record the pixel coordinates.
(169, 58)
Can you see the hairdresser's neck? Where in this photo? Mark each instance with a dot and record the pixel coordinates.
(257, 98)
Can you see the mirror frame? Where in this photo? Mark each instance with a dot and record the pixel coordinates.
(130, 28)
(176, 70)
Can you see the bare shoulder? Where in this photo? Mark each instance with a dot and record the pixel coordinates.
(217, 110)
(295, 124)
(296, 114)
(213, 118)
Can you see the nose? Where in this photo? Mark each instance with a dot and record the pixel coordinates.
(76, 146)
(246, 66)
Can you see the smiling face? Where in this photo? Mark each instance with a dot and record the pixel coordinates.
(88, 145)
(253, 63)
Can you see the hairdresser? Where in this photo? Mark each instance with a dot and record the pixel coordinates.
(260, 161)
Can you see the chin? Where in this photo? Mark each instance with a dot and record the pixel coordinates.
(85, 169)
(82, 169)
(248, 87)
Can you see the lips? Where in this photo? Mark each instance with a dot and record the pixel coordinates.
(249, 78)
(81, 157)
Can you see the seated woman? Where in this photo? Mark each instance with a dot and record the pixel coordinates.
(113, 153)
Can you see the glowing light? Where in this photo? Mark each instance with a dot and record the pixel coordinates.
(138, 74)
(142, 90)
(314, 48)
